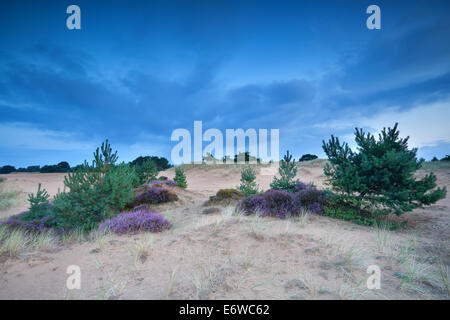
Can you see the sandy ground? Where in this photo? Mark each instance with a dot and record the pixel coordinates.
(223, 256)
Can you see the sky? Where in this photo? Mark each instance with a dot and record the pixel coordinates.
(138, 70)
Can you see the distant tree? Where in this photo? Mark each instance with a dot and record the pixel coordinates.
(63, 166)
(7, 169)
(379, 177)
(33, 168)
(434, 159)
(245, 157)
(147, 171)
(446, 158)
(161, 163)
(307, 157)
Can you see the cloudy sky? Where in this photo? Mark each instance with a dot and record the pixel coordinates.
(137, 70)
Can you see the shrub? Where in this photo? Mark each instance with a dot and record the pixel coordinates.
(342, 207)
(280, 203)
(307, 157)
(180, 177)
(19, 221)
(287, 171)
(96, 192)
(253, 204)
(248, 185)
(225, 197)
(315, 208)
(136, 221)
(154, 195)
(309, 195)
(275, 203)
(380, 176)
(299, 186)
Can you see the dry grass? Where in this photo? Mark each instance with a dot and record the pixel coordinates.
(14, 242)
(8, 197)
(140, 250)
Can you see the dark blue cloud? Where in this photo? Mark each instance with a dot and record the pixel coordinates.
(138, 70)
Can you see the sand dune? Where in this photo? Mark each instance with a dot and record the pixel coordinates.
(223, 256)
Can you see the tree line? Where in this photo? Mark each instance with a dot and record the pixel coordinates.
(63, 166)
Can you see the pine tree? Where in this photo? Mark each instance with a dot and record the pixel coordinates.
(180, 177)
(96, 192)
(147, 171)
(287, 171)
(380, 176)
(248, 184)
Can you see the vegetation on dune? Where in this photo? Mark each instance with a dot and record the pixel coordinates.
(180, 177)
(248, 181)
(136, 221)
(285, 203)
(287, 170)
(379, 178)
(366, 186)
(160, 162)
(307, 157)
(145, 170)
(225, 197)
(7, 197)
(153, 195)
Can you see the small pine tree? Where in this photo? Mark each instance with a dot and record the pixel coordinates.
(287, 171)
(379, 178)
(96, 192)
(180, 177)
(248, 184)
(39, 204)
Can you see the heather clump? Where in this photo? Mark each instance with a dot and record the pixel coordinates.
(253, 204)
(274, 203)
(22, 221)
(136, 221)
(282, 203)
(154, 195)
(309, 195)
